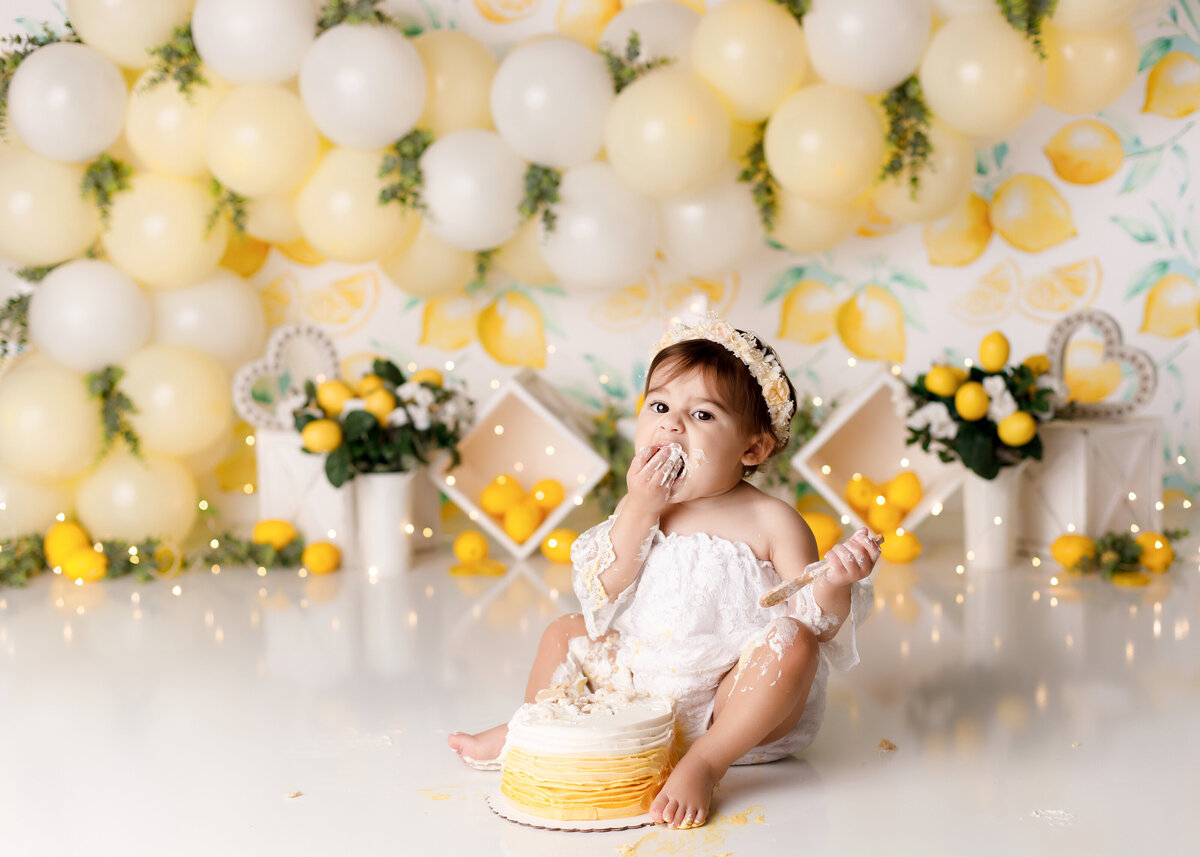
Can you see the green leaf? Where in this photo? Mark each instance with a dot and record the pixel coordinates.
(1139, 230)
(357, 425)
(1153, 51)
(177, 60)
(338, 468)
(1143, 171)
(999, 153)
(104, 178)
(354, 12)
(626, 68)
(389, 372)
(1185, 167)
(908, 281)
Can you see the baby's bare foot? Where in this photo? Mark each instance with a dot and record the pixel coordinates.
(687, 793)
(480, 748)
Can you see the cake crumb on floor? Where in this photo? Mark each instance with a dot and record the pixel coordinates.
(886, 746)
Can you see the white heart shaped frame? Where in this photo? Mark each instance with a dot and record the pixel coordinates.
(1115, 349)
(295, 352)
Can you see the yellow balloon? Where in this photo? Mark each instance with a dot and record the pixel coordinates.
(521, 257)
(980, 76)
(49, 426)
(182, 399)
(273, 219)
(824, 143)
(166, 128)
(44, 219)
(260, 140)
(459, 70)
(430, 268)
(158, 231)
(131, 499)
(944, 180)
(666, 133)
(1087, 71)
(809, 227)
(753, 53)
(339, 212)
(125, 30)
(29, 505)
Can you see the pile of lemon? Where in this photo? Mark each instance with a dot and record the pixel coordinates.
(318, 557)
(70, 551)
(518, 512)
(884, 506)
(1076, 552)
(325, 435)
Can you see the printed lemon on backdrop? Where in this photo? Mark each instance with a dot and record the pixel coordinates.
(871, 325)
(1085, 152)
(1173, 86)
(548, 493)
(1030, 214)
(1157, 553)
(321, 558)
(1088, 375)
(277, 298)
(1017, 429)
(522, 519)
(884, 518)
(86, 564)
(301, 252)
(274, 532)
(450, 323)
(346, 303)
(677, 296)
(432, 377)
(942, 380)
(511, 331)
(470, 546)
(993, 352)
(825, 529)
(809, 313)
(876, 224)
(379, 403)
(506, 11)
(961, 236)
(583, 20)
(332, 396)
(904, 491)
(1046, 297)
(991, 298)
(1172, 307)
(321, 436)
(1070, 549)
(500, 494)
(556, 547)
(861, 493)
(624, 309)
(971, 401)
(900, 547)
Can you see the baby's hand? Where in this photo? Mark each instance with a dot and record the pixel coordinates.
(652, 474)
(852, 560)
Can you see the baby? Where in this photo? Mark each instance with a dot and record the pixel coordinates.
(670, 584)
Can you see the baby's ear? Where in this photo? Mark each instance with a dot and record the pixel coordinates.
(760, 449)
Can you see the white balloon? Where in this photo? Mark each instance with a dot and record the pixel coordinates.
(67, 102)
(549, 101)
(133, 499)
(363, 86)
(221, 316)
(707, 232)
(867, 45)
(88, 314)
(604, 235)
(29, 505)
(664, 29)
(253, 42)
(474, 184)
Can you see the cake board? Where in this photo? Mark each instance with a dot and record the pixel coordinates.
(507, 810)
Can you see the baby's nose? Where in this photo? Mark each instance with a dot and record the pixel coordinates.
(669, 422)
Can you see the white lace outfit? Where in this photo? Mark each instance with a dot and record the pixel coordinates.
(695, 612)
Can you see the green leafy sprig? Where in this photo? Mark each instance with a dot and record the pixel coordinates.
(541, 192)
(142, 562)
(14, 326)
(115, 408)
(336, 12)
(763, 185)
(907, 137)
(796, 8)
(626, 68)
(231, 549)
(614, 448)
(484, 260)
(227, 203)
(1027, 16)
(104, 179)
(13, 51)
(404, 161)
(21, 558)
(177, 60)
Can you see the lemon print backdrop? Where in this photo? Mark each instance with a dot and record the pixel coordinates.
(1073, 189)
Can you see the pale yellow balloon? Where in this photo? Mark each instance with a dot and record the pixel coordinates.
(666, 133)
(260, 140)
(824, 143)
(158, 231)
(753, 53)
(429, 268)
(49, 426)
(182, 399)
(521, 257)
(1087, 71)
(273, 218)
(339, 211)
(30, 505)
(134, 499)
(459, 70)
(810, 227)
(166, 128)
(1093, 14)
(980, 76)
(126, 30)
(44, 219)
(943, 181)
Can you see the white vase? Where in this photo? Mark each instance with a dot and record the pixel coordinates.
(990, 517)
(385, 522)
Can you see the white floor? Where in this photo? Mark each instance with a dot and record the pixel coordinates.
(238, 714)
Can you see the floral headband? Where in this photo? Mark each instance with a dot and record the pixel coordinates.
(763, 365)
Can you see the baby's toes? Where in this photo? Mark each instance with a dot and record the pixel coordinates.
(671, 812)
(656, 808)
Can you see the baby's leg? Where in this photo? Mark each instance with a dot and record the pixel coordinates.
(552, 650)
(758, 701)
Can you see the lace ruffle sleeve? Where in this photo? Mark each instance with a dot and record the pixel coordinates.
(842, 650)
(591, 554)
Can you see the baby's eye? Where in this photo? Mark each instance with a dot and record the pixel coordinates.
(704, 416)
(658, 407)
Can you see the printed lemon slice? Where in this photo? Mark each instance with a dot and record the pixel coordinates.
(511, 331)
(1085, 152)
(244, 255)
(277, 298)
(583, 20)
(809, 313)
(871, 324)
(992, 298)
(345, 304)
(1173, 86)
(450, 323)
(625, 309)
(506, 11)
(1029, 213)
(1065, 288)
(680, 296)
(1172, 307)
(1088, 376)
(961, 236)
(302, 252)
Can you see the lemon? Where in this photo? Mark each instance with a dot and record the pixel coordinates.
(470, 546)
(861, 493)
(332, 396)
(1171, 307)
(991, 298)
(321, 558)
(321, 436)
(450, 323)
(904, 491)
(379, 403)
(871, 325)
(808, 313)
(884, 518)
(1088, 376)
(584, 20)
(244, 255)
(1157, 553)
(511, 330)
(993, 352)
(971, 401)
(1173, 86)
(168, 558)
(825, 529)
(1131, 578)
(1071, 549)
(502, 493)
(1047, 297)
(900, 547)
(556, 547)
(1038, 364)
(961, 236)
(1017, 429)
(483, 566)
(432, 377)
(548, 493)
(1085, 152)
(63, 539)
(1029, 213)
(369, 383)
(942, 381)
(274, 532)
(86, 564)
(522, 519)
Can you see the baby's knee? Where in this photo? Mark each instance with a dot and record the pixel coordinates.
(794, 643)
(565, 628)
